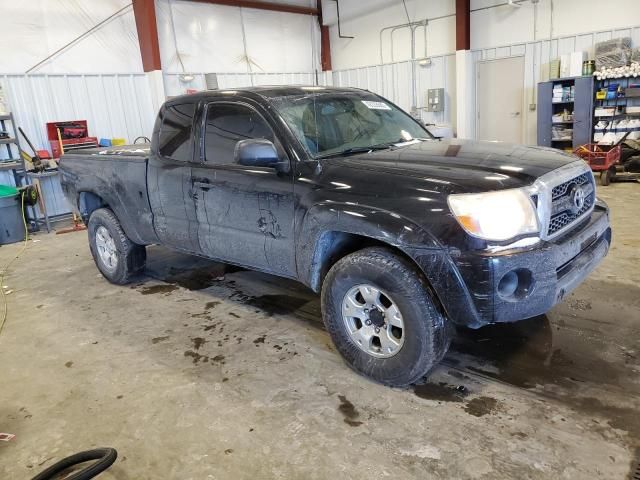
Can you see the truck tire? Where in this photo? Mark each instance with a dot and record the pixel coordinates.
(382, 318)
(117, 257)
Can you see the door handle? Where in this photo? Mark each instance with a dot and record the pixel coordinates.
(203, 185)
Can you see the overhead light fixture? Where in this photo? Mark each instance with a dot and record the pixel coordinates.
(424, 62)
(513, 4)
(186, 78)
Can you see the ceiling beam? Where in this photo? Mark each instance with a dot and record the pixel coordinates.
(144, 12)
(463, 25)
(275, 7)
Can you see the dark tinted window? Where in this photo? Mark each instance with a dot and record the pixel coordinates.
(227, 124)
(176, 137)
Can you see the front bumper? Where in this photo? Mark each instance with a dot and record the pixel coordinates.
(557, 267)
(466, 283)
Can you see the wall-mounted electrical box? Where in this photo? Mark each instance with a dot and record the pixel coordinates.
(435, 100)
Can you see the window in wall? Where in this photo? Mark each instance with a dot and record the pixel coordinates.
(176, 137)
(227, 124)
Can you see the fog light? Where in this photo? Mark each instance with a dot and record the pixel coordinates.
(515, 284)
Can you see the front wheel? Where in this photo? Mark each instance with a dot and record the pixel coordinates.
(382, 318)
(117, 257)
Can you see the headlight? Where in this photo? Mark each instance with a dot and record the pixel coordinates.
(495, 216)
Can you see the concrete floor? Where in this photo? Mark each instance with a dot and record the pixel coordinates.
(192, 373)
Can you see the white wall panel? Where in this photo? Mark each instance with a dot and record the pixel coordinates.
(173, 85)
(393, 81)
(537, 56)
(115, 106)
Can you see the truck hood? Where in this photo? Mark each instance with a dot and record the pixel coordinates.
(464, 165)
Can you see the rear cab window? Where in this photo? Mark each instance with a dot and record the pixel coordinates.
(175, 140)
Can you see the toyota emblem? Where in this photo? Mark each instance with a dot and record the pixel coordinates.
(578, 198)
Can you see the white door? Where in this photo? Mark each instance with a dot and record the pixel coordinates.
(499, 99)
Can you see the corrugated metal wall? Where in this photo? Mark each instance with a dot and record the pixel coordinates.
(173, 85)
(393, 81)
(537, 56)
(115, 106)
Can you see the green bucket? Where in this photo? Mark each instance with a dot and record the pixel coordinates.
(11, 226)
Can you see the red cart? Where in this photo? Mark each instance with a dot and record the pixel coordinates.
(601, 158)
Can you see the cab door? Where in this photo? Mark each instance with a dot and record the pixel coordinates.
(169, 177)
(244, 213)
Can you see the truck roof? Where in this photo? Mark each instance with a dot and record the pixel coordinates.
(267, 91)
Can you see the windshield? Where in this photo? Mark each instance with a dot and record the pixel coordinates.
(334, 123)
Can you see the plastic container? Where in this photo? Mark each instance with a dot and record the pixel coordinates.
(11, 226)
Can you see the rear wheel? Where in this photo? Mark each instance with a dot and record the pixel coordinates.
(382, 318)
(117, 257)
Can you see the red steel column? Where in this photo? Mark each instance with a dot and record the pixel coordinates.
(145, 15)
(325, 44)
(463, 25)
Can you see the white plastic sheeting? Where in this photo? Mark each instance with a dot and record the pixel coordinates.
(34, 29)
(199, 37)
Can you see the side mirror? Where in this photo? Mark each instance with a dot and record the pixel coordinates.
(257, 152)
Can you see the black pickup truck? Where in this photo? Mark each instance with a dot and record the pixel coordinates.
(403, 234)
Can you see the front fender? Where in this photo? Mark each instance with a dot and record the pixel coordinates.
(329, 216)
(315, 238)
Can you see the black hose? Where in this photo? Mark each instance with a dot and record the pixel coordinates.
(104, 456)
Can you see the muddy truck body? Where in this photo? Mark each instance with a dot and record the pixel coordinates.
(404, 235)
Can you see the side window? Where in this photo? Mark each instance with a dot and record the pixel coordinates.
(227, 124)
(176, 135)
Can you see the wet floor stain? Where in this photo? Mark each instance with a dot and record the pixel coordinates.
(218, 359)
(154, 289)
(159, 339)
(198, 342)
(199, 278)
(481, 406)
(271, 304)
(441, 392)
(349, 412)
(531, 353)
(196, 357)
(69, 364)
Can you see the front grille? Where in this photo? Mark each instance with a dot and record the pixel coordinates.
(562, 213)
(561, 190)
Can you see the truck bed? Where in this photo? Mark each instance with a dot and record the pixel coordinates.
(116, 176)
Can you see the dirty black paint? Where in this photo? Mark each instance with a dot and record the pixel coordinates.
(259, 340)
(349, 412)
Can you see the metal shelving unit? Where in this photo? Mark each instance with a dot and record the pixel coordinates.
(14, 160)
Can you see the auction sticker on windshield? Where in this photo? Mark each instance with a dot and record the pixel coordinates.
(376, 105)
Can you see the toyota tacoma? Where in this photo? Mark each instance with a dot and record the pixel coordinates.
(402, 234)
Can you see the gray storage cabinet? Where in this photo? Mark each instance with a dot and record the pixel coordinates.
(581, 105)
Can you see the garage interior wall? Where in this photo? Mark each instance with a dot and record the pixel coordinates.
(105, 67)
(497, 30)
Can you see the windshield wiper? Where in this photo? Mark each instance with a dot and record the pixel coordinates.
(355, 150)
